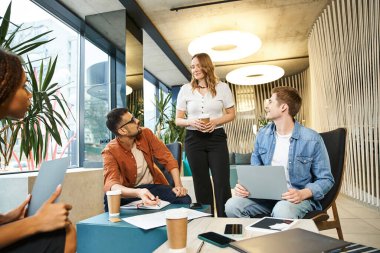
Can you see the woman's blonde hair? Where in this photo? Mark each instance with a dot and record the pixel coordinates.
(208, 70)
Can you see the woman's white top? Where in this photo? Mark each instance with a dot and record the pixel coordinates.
(195, 104)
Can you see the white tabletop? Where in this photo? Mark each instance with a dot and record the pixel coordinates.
(217, 225)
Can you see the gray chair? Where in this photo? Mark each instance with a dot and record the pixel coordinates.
(176, 150)
(335, 142)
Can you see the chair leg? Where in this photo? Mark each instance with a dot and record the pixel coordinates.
(336, 218)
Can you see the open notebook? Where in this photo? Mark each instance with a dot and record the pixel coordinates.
(138, 204)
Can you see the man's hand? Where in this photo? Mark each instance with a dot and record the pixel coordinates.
(240, 191)
(17, 213)
(147, 197)
(296, 196)
(179, 191)
(52, 216)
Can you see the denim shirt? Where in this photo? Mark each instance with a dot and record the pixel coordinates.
(308, 161)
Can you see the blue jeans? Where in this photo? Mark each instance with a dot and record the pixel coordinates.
(164, 192)
(246, 207)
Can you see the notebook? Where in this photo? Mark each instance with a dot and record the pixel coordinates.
(50, 175)
(271, 225)
(294, 240)
(263, 182)
(138, 204)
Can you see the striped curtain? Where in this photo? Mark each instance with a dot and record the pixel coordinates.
(344, 80)
(249, 101)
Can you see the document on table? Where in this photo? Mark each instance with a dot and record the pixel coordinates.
(138, 204)
(154, 220)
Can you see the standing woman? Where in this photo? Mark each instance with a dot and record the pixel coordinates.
(206, 142)
(49, 230)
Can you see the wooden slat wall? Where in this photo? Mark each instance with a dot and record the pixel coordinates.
(344, 81)
(249, 102)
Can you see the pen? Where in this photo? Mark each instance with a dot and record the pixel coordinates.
(200, 246)
(159, 202)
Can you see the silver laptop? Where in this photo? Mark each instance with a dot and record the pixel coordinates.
(50, 175)
(263, 182)
(294, 240)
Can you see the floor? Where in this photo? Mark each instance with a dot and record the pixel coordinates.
(360, 224)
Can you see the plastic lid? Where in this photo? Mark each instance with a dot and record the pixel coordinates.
(176, 213)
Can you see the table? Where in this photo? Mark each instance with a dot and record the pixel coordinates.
(217, 225)
(98, 235)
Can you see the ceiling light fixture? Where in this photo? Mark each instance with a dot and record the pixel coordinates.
(225, 45)
(253, 75)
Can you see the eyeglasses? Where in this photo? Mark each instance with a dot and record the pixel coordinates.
(133, 120)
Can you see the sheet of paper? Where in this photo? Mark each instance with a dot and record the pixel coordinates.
(154, 220)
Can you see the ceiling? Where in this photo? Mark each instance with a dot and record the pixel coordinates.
(282, 26)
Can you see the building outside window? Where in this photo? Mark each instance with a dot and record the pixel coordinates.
(97, 103)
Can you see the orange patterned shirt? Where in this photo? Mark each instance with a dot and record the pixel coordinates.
(120, 165)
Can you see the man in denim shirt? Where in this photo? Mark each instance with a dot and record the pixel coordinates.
(300, 150)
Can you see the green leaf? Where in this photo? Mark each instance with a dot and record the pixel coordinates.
(10, 39)
(49, 74)
(5, 24)
(25, 44)
(30, 47)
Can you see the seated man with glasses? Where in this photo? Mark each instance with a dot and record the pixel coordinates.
(129, 163)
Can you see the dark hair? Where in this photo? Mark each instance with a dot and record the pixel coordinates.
(289, 96)
(10, 75)
(114, 118)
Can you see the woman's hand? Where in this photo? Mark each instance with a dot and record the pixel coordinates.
(197, 123)
(52, 216)
(17, 213)
(210, 126)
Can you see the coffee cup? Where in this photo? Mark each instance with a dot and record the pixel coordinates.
(113, 199)
(205, 118)
(176, 222)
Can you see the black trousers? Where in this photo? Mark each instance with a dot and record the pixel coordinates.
(209, 151)
(49, 242)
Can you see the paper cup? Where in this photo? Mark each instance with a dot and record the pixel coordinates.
(113, 199)
(176, 222)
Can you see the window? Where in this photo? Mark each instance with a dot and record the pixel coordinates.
(120, 85)
(149, 107)
(65, 45)
(97, 105)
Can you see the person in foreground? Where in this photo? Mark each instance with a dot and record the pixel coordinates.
(129, 163)
(300, 150)
(203, 106)
(49, 230)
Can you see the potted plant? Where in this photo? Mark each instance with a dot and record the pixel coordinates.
(43, 120)
(165, 128)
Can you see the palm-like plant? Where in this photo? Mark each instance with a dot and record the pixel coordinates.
(161, 104)
(165, 128)
(42, 120)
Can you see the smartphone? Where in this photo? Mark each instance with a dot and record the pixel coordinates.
(233, 229)
(216, 239)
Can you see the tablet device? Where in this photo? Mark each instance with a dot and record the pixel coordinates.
(50, 175)
(263, 182)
